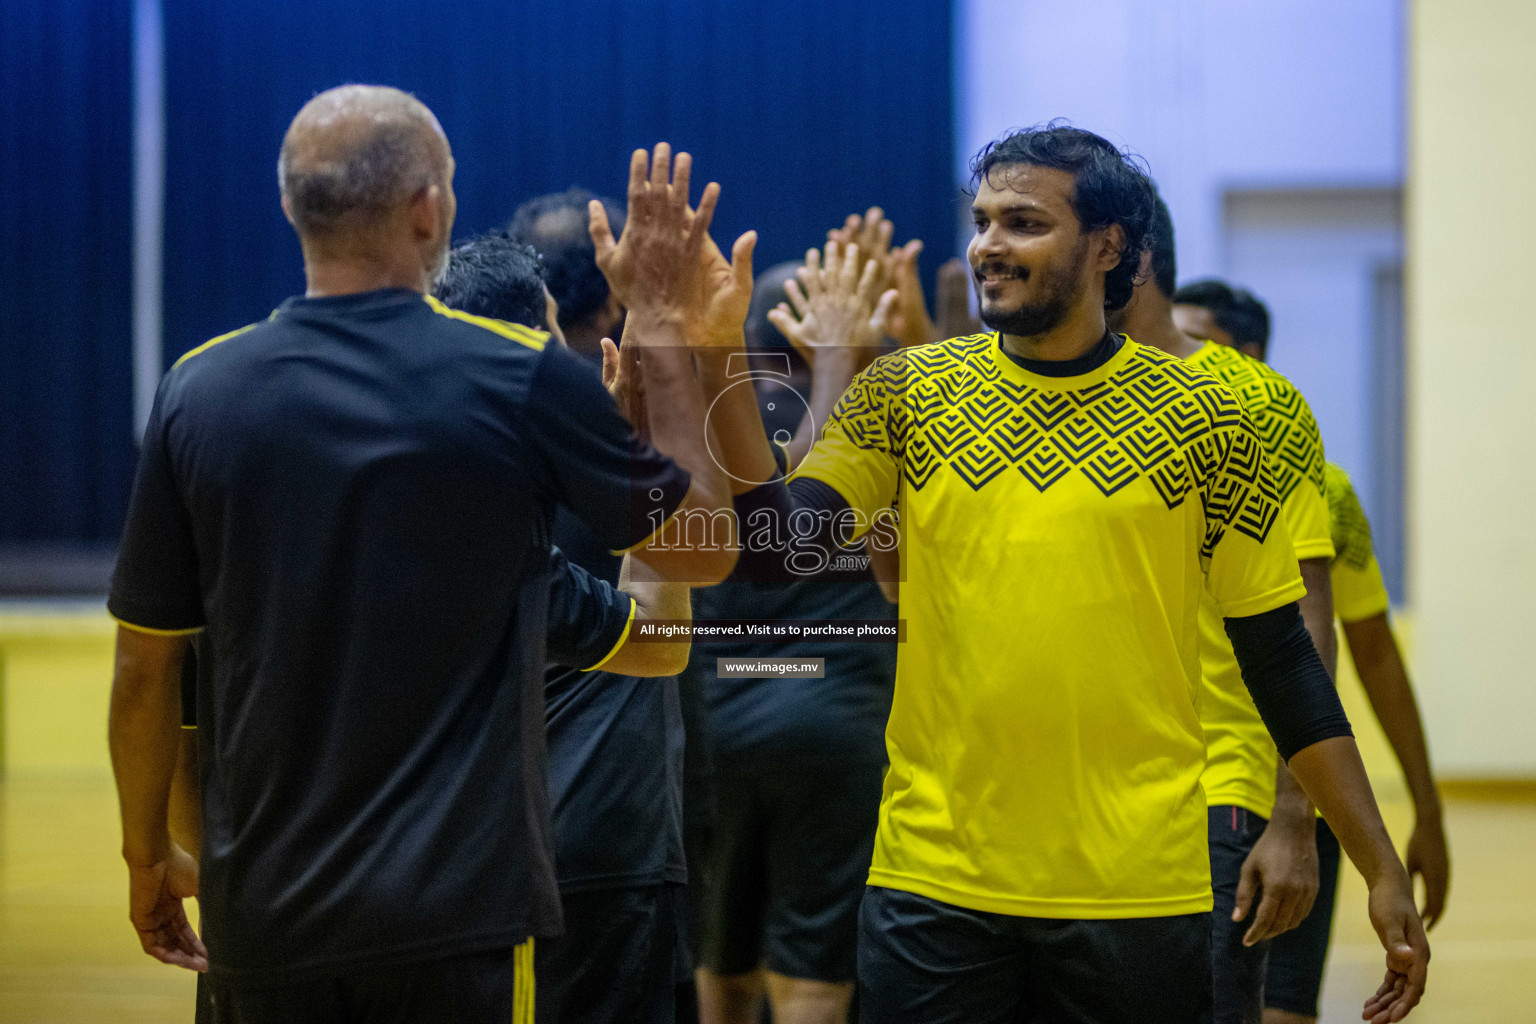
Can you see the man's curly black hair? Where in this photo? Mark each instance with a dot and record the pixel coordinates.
(491, 275)
(1111, 187)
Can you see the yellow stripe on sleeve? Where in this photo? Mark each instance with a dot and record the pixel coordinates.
(156, 632)
(633, 607)
(533, 339)
(205, 346)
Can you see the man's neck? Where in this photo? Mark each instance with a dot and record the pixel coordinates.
(1149, 321)
(345, 266)
(1073, 338)
(344, 279)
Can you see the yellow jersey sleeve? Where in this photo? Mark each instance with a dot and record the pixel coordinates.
(1250, 561)
(857, 454)
(1295, 449)
(1358, 589)
(1291, 438)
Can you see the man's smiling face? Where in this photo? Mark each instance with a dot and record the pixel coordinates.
(1029, 253)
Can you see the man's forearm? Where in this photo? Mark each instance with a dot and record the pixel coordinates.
(738, 424)
(1334, 777)
(655, 599)
(1317, 611)
(143, 730)
(1379, 664)
(185, 813)
(833, 371)
(1292, 806)
(674, 407)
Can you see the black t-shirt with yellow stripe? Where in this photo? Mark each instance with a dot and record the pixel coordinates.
(1058, 537)
(354, 497)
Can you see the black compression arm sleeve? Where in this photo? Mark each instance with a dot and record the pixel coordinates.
(778, 519)
(1287, 680)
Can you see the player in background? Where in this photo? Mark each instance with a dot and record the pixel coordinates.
(797, 763)
(1260, 823)
(615, 738)
(1297, 958)
(1213, 309)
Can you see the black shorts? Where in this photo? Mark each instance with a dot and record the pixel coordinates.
(787, 866)
(922, 961)
(1297, 958)
(1237, 971)
(492, 987)
(619, 960)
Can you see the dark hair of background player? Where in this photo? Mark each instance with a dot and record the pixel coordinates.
(492, 275)
(556, 225)
(1235, 310)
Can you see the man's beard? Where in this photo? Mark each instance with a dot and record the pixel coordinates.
(1060, 289)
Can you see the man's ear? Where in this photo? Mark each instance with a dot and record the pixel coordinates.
(287, 211)
(1111, 248)
(427, 212)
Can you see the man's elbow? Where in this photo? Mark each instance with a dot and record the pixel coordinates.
(649, 661)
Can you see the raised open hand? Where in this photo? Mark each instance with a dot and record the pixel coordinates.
(653, 266)
(872, 233)
(722, 293)
(837, 304)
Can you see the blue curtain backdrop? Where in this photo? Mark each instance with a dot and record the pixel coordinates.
(803, 110)
(66, 444)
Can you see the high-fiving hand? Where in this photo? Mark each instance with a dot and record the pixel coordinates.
(837, 304)
(665, 263)
(652, 267)
(872, 232)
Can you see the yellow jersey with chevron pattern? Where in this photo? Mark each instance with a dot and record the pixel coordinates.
(1241, 758)
(1058, 535)
(1358, 589)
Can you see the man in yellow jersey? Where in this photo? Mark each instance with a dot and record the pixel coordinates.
(1068, 499)
(1296, 958)
(1261, 829)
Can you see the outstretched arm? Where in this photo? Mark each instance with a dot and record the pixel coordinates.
(835, 318)
(652, 268)
(1379, 664)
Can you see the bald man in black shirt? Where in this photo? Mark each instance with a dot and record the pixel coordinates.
(353, 499)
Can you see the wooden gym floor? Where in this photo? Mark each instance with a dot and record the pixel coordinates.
(68, 956)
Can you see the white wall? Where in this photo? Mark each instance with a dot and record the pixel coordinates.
(1472, 381)
(1215, 94)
